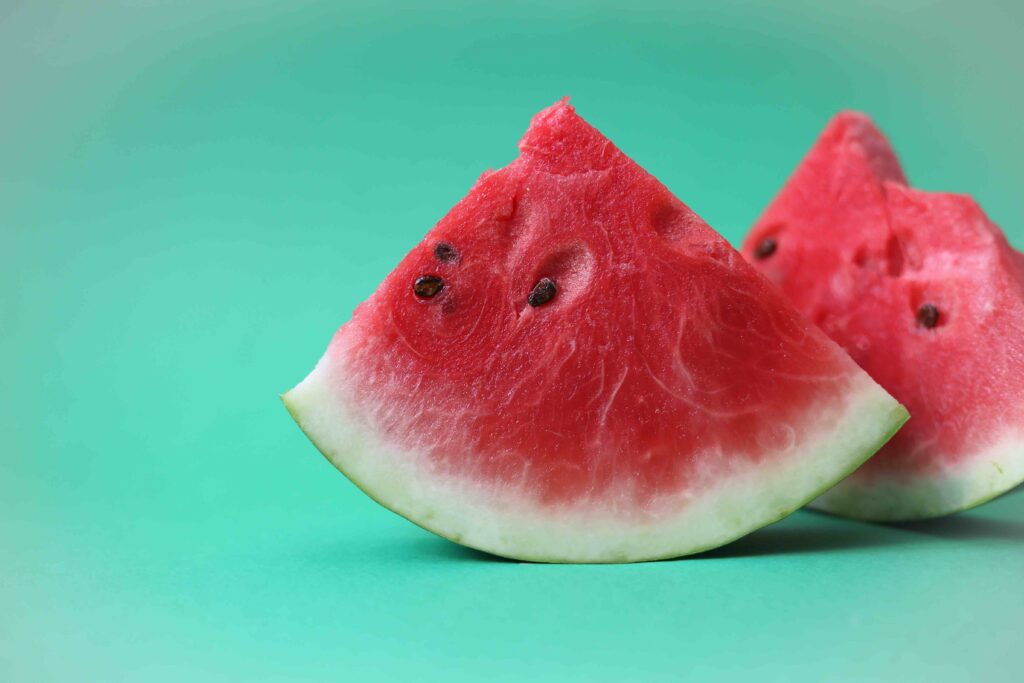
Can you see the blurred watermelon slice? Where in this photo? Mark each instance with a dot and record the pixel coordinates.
(573, 367)
(925, 293)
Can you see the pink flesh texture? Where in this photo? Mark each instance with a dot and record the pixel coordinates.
(859, 252)
(662, 356)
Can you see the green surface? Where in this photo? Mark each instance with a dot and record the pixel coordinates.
(194, 195)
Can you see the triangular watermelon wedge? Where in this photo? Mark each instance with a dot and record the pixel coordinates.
(925, 293)
(573, 367)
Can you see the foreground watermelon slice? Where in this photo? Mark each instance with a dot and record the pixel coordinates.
(572, 366)
(925, 294)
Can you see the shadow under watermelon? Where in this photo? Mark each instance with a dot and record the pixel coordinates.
(809, 531)
(964, 526)
(788, 538)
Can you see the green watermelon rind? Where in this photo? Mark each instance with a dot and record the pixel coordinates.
(509, 526)
(967, 483)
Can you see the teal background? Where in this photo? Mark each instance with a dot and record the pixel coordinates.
(193, 196)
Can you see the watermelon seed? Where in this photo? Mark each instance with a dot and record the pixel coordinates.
(427, 286)
(765, 248)
(928, 316)
(543, 292)
(445, 252)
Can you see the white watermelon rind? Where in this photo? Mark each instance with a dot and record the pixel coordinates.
(970, 482)
(504, 523)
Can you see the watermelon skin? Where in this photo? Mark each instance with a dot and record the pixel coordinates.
(667, 400)
(859, 252)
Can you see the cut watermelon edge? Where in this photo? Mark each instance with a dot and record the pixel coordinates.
(977, 479)
(504, 524)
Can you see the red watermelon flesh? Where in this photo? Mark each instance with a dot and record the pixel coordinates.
(925, 293)
(572, 366)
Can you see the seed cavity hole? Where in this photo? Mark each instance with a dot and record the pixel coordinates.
(445, 253)
(888, 260)
(673, 221)
(427, 286)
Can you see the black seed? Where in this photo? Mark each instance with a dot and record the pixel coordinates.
(928, 316)
(765, 248)
(427, 286)
(543, 292)
(445, 253)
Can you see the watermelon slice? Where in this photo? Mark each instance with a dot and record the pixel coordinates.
(925, 294)
(573, 367)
